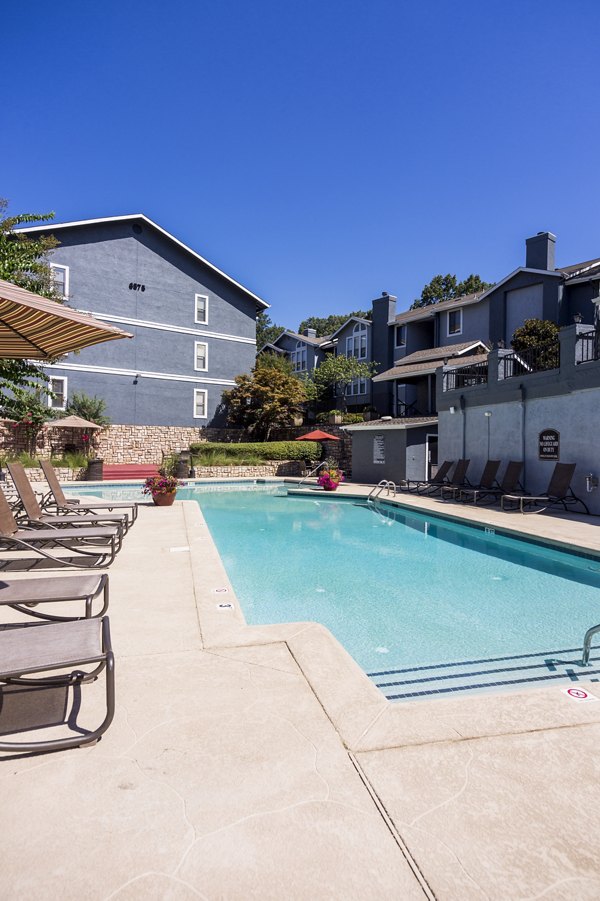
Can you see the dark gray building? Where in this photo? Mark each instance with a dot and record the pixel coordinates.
(194, 326)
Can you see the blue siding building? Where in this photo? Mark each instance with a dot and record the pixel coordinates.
(194, 326)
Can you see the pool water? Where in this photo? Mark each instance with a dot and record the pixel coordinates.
(422, 604)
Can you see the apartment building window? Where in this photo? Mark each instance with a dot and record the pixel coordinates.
(400, 336)
(356, 344)
(454, 322)
(200, 356)
(356, 386)
(201, 314)
(57, 400)
(298, 357)
(200, 403)
(60, 277)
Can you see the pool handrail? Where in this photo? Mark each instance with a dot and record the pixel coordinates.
(587, 644)
(312, 472)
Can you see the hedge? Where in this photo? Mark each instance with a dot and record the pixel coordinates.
(266, 450)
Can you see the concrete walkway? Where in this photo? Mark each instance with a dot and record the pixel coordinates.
(230, 771)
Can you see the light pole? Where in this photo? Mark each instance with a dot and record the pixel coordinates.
(488, 416)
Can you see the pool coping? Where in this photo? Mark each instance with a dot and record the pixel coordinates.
(363, 717)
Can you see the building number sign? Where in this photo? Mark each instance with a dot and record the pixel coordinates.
(549, 445)
(134, 286)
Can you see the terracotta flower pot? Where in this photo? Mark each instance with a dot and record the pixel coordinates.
(332, 487)
(164, 500)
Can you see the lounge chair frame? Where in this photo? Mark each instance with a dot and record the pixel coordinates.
(459, 478)
(440, 478)
(510, 482)
(487, 480)
(28, 651)
(559, 492)
(25, 594)
(57, 500)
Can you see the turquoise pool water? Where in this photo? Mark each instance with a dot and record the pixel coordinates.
(410, 597)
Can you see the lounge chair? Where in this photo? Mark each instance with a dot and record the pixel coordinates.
(440, 478)
(85, 547)
(58, 500)
(559, 492)
(457, 481)
(26, 594)
(487, 480)
(36, 516)
(28, 651)
(509, 483)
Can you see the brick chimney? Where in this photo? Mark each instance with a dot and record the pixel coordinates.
(540, 251)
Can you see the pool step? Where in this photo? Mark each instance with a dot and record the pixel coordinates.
(487, 674)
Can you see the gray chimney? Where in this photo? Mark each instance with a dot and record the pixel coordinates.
(310, 333)
(540, 251)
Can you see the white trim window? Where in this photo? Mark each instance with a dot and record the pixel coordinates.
(200, 403)
(57, 385)
(298, 357)
(356, 344)
(60, 277)
(200, 356)
(454, 322)
(356, 386)
(201, 309)
(400, 336)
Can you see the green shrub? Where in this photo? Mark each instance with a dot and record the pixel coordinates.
(253, 453)
(74, 460)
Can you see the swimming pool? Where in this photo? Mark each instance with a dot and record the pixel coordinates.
(425, 606)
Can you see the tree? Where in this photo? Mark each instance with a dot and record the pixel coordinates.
(266, 330)
(266, 398)
(91, 408)
(29, 411)
(334, 374)
(24, 262)
(329, 324)
(533, 333)
(446, 287)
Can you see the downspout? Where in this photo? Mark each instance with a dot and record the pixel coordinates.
(463, 423)
(523, 427)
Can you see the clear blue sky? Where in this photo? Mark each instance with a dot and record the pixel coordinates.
(319, 151)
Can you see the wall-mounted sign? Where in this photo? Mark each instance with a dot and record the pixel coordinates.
(379, 449)
(549, 445)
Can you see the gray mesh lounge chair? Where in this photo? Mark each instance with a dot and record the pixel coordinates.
(26, 594)
(36, 516)
(509, 483)
(25, 548)
(440, 478)
(58, 500)
(487, 480)
(30, 656)
(457, 481)
(559, 492)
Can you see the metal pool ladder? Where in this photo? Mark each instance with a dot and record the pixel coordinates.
(587, 643)
(384, 485)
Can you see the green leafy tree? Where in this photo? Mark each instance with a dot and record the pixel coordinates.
(332, 377)
(29, 411)
(540, 335)
(24, 262)
(447, 287)
(329, 324)
(267, 398)
(91, 408)
(266, 330)
(275, 361)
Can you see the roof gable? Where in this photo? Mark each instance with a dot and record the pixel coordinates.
(140, 217)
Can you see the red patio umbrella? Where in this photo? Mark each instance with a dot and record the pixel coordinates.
(318, 435)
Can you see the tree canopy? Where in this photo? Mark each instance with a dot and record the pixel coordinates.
(447, 287)
(329, 324)
(266, 398)
(533, 333)
(24, 262)
(266, 330)
(332, 377)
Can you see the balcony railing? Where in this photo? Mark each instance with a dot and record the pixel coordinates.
(466, 377)
(534, 359)
(588, 347)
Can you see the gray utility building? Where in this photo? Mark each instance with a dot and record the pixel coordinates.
(194, 326)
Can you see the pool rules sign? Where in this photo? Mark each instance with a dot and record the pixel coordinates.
(379, 449)
(549, 445)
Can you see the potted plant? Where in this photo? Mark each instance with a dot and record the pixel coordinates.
(335, 417)
(162, 488)
(330, 478)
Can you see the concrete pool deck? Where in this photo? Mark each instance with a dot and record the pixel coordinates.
(260, 762)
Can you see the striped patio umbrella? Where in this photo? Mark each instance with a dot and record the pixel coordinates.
(35, 328)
